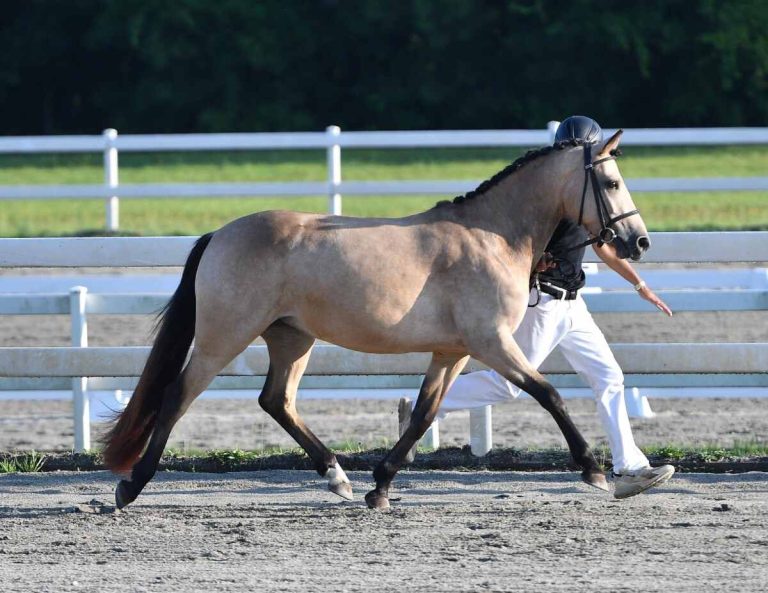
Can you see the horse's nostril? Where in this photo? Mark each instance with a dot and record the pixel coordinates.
(643, 243)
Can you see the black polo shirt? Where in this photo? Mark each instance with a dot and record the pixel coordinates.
(567, 272)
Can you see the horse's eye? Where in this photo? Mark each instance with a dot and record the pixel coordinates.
(612, 184)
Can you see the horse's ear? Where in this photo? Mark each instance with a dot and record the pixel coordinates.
(612, 144)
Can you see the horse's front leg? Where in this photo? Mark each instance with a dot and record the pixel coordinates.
(442, 370)
(505, 357)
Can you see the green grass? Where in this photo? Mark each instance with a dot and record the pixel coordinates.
(242, 455)
(745, 449)
(31, 462)
(691, 211)
(238, 459)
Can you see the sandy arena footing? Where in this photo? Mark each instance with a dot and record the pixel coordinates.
(449, 531)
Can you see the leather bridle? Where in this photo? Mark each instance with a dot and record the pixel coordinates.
(607, 234)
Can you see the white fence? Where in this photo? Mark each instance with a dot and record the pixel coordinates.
(647, 365)
(332, 141)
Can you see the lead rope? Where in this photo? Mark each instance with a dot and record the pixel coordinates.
(537, 285)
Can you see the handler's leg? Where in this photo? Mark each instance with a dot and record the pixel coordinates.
(588, 352)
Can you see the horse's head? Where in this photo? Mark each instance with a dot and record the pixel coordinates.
(606, 208)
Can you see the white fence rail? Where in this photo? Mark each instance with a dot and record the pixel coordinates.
(133, 252)
(332, 141)
(744, 299)
(653, 365)
(127, 361)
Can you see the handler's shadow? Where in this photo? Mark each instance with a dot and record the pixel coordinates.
(258, 495)
(255, 491)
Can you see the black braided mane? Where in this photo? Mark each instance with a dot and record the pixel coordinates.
(529, 156)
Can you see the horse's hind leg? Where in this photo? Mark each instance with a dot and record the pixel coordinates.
(203, 366)
(443, 369)
(289, 351)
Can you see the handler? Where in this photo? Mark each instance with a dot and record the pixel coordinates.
(559, 317)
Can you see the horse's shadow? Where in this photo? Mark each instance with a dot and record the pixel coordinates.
(7, 512)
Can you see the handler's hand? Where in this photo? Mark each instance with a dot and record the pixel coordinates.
(546, 262)
(651, 297)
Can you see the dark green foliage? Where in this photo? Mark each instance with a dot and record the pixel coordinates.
(197, 65)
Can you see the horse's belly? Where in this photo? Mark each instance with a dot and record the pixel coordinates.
(372, 290)
(366, 332)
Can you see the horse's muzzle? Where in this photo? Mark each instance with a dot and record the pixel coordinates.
(642, 244)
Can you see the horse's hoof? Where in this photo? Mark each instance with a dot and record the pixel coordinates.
(596, 479)
(343, 489)
(123, 494)
(376, 501)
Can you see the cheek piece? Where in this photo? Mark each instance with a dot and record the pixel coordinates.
(607, 234)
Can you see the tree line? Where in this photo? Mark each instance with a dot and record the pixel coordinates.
(244, 65)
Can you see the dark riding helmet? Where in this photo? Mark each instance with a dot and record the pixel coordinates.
(579, 127)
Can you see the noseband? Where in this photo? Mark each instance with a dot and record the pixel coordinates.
(607, 234)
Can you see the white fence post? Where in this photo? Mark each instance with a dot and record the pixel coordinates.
(480, 430)
(82, 413)
(334, 170)
(552, 129)
(431, 438)
(110, 178)
(638, 405)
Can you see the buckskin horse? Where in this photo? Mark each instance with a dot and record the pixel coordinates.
(453, 281)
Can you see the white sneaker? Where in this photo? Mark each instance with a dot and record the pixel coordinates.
(404, 410)
(640, 480)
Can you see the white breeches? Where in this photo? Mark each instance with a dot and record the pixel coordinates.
(570, 326)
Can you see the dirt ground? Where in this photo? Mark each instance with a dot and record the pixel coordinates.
(475, 531)
(450, 531)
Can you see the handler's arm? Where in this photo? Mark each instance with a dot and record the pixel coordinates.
(623, 268)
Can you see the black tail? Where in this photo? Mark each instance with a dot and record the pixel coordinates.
(175, 330)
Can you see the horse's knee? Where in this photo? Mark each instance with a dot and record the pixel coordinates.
(556, 404)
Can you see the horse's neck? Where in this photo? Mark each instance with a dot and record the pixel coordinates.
(524, 208)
